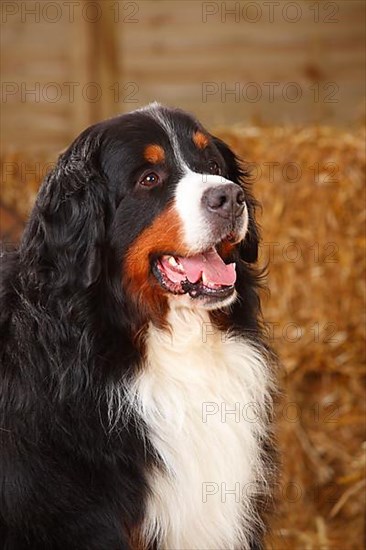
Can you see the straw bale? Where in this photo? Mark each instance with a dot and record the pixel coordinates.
(313, 216)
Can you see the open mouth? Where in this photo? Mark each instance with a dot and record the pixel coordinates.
(203, 274)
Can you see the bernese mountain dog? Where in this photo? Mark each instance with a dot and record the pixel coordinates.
(135, 380)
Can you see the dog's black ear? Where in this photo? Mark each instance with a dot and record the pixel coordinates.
(236, 173)
(64, 238)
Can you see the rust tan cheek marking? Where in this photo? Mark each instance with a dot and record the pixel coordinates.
(164, 235)
(200, 140)
(154, 154)
(136, 541)
(225, 248)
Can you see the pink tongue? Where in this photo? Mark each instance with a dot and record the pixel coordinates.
(209, 263)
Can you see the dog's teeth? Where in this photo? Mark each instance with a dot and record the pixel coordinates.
(209, 284)
(206, 282)
(175, 264)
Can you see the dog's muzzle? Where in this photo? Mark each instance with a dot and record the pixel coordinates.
(224, 201)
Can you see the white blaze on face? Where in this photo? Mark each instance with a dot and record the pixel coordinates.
(188, 203)
(197, 227)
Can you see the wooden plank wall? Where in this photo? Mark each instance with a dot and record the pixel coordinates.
(62, 71)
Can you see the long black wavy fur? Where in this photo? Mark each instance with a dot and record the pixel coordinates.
(67, 481)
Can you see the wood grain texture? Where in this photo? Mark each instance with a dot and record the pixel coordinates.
(161, 50)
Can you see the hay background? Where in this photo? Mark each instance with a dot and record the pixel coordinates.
(315, 317)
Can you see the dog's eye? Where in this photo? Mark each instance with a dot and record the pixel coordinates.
(150, 180)
(214, 168)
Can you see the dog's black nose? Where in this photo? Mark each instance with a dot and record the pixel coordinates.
(225, 200)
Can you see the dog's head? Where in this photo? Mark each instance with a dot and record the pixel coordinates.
(150, 199)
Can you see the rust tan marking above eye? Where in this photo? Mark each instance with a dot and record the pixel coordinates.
(154, 154)
(200, 140)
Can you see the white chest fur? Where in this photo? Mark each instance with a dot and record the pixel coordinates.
(203, 397)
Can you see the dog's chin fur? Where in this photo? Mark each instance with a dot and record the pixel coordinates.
(106, 378)
(185, 301)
